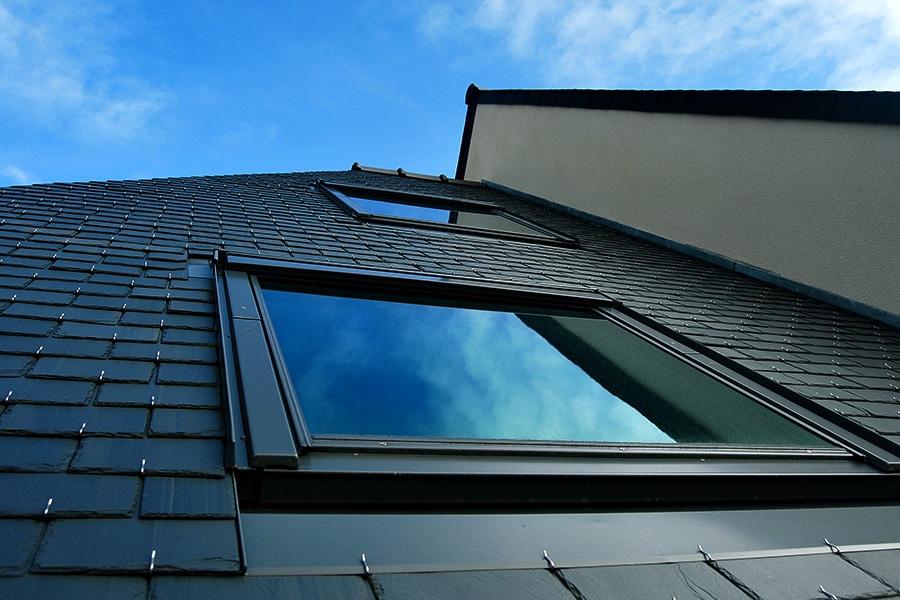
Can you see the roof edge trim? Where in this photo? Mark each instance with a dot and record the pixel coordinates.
(820, 105)
(757, 273)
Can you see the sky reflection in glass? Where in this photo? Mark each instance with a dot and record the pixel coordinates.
(364, 367)
(409, 211)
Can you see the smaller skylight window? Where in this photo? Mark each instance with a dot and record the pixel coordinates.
(461, 216)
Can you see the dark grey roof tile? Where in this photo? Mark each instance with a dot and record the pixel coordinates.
(92, 315)
(19, 539)
(802, 576)
(122, 394)
(191, 307)
(27, 326)
(35, 455)
(141, 318)
(12, 365)
(272, 588)
(178, 422)
(53, 285)
(111, 302)
(188, 497)
(181, 546)
(188, 336)
(880, 424)
(27, 495)
(27, 309)
(74, 347)
(464, 585)
(686, 580)
(35, 295)
(92, 369)
(73, 420)
(106, 289)
(43, 391)
(106, 332)
(181, 396)
(20, 344)
(159, 456)
(135, 350)
(188, 354)
(75, 587)
(884, 564)
(182, 373)
(184, 321)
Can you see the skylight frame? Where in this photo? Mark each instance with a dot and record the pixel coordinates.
(343, 195)
(367, 462)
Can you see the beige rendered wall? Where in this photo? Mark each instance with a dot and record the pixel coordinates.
(816, 202)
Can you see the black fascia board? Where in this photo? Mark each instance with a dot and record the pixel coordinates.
(862, 107)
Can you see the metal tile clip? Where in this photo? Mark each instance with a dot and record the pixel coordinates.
(828, 594)
(365, 564)
(8, 396)
(47, 508)
(143, 465)
(834, 548)
(100, 379)
(81, 431)
(152, 563)
(549, 561)
(706, 556)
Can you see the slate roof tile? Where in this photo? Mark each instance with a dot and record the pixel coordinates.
(188, 497)
(802, 576)
(177, 422)
(74, 347)
(188, 336)
(107, 332)
(205, 546)
(685, 580)
(463, 585)
(13, 365)
(177, 457)
(34, 454)
(27, 495)
(35, 419)
(27, 326)
(273, 588)
(19, 539)
(93, 369)
(75, 587)
(182, 373)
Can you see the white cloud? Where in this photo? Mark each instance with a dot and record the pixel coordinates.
(844, 44)
(15, 175)
(59, 70)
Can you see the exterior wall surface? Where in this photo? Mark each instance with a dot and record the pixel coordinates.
(812, 201)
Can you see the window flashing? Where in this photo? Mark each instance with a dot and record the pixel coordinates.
(535, 465)
(345, 196)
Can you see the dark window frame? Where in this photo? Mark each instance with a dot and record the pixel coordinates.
(279, 467)
(342, 194)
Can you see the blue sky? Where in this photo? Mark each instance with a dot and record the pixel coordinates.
(121, 90)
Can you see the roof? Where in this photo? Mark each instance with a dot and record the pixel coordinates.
(111, 437)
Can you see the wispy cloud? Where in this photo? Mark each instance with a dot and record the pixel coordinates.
(14, 175)
(845, 44)
(59, 70)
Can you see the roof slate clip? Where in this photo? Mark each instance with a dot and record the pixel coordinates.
(550, 564)
(8, 396)
(152, 563)
(828, 594)
(365, 564)
(706, 556)
(834, 548)
(47, 508)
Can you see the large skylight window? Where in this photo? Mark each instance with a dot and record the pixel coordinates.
(389, 367)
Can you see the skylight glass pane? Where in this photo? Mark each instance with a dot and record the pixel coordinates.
(409, 211)
(461, 215)
(379, 368)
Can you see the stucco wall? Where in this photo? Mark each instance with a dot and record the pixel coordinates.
(816, 202)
